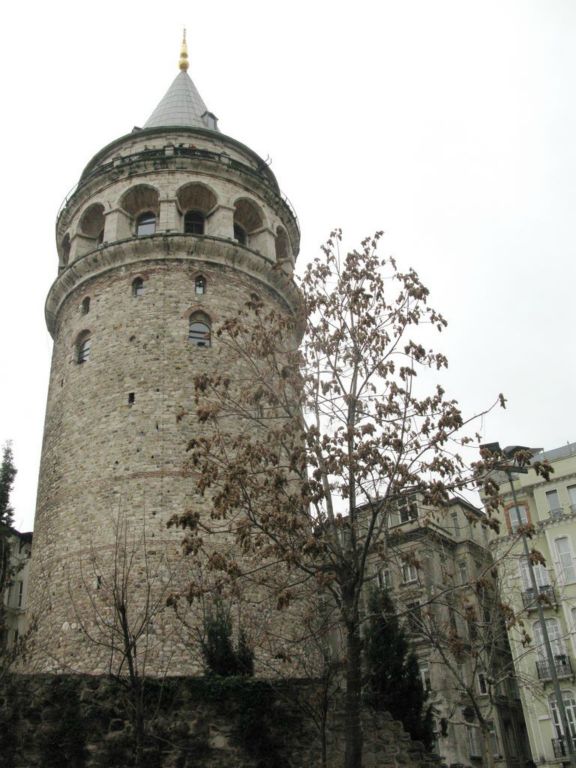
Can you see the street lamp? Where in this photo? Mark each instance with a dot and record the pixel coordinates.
(509, 467)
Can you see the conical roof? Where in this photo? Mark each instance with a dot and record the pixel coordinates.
(182, 104)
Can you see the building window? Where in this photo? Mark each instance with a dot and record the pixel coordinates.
(570, 707)
(199, 330)
(407, 510)
(384, 579)
(146, 224)
(194, 223)
(83, 345)
(409, 573)
(482, 684)
(517, 516)
(554, 635)
(493, 739)
(553, 501)
(463, 568)
(567, 571)
(85, 306)
(540, 574)
(474, 741)
(240, 234)
(137, 287)
(19, 593)
(424, 669)
(414, 617)
(572, 496)
(455, 525)
(200, 285)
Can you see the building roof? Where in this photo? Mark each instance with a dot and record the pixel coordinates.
(555, 454)
(182, 104)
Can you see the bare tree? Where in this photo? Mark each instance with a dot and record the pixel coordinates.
(301, 452)
(124, 591)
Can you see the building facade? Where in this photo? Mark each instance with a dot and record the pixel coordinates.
(439, 575)
(170, 230)
(544, 511)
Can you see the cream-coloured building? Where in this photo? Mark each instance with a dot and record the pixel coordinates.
(16, 594)
(439, 574)
(546, 511)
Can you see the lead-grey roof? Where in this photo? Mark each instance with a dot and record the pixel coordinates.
(181, 105)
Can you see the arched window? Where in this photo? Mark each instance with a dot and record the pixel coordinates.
(83, 345)
(199, 330)
(137, 287)
(146, 223)
(240, 234)
(85, 306)
(200, 285)
(194, 223)
(100, 238)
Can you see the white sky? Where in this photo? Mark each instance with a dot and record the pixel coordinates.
(450, 124)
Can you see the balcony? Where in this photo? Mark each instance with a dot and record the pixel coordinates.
(546, 595)
(560, 747)
(562, 665)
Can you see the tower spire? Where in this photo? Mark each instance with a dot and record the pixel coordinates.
(183, 64)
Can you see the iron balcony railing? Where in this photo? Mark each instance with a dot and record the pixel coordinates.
(559, 747)
(562, 665)
(546, 595)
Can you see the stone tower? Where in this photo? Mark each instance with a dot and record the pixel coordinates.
(168, 231)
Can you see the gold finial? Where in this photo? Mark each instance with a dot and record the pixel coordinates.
(184, 53)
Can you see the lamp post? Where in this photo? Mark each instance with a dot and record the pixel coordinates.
(509, 468)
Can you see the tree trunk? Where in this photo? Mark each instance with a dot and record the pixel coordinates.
(487, 755)
(353, 702)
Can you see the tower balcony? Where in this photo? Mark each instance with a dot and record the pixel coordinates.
(562, 665)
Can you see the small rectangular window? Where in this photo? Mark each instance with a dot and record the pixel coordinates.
(482, 684)
(409, 573)
(424, 669)
(553, 501)
(131, 398)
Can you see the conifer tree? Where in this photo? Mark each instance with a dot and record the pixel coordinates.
(393, 678)
(7, 475)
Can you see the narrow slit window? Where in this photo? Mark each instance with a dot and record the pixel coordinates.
(137, 287)
(131, 398)
(200, 285)
(85, 306)
(83, 346)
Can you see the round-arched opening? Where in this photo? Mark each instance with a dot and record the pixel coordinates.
(65, 250)
(142, 204)
(92, 222)
(82, 347)
(197, 197)
(247, 216)
(200, 285)
(282, 245)
(199, 330)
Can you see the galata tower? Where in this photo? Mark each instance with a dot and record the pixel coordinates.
(169, 230)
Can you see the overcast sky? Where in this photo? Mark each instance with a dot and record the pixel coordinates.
(451, 125)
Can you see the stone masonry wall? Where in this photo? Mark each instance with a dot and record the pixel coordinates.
(85, 722)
